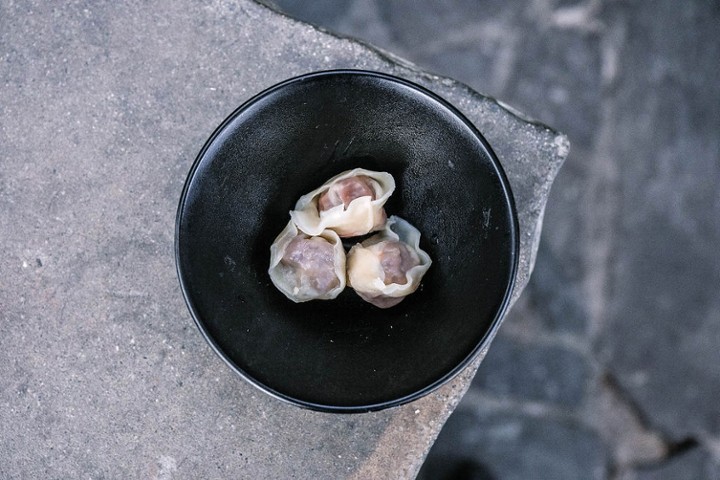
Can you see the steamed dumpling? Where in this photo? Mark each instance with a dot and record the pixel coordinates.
(389, 266)
(350, 203)
(307, 267)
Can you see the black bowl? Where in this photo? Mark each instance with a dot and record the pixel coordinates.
(346, 355)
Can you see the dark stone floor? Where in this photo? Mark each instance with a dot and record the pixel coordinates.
(609, 365)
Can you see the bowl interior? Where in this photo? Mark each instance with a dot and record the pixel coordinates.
(345, 354)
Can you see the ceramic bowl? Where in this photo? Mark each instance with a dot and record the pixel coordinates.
(346, 355)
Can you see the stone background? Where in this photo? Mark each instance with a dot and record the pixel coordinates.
(609, 365)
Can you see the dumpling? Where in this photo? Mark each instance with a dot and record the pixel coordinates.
(350, 203)
(387, 267)
(307, 267)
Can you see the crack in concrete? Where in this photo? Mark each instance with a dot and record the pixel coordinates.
(638, 444)
(623, 426)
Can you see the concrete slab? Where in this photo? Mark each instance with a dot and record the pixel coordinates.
(103, 108)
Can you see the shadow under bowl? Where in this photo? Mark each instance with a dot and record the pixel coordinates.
(346, 355)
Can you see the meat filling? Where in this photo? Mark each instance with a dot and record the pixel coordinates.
(345, 191)
(313, 261)
(396, 260)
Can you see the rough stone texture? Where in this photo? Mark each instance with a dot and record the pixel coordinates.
(627, 273)
(103, 108)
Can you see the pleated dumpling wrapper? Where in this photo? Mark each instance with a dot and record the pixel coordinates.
(389, 266)
(307, 268)
(350, 203)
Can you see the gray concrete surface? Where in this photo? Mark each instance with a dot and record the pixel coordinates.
(103, 108)
(607, 367)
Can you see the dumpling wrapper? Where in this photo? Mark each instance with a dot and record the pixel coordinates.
(362, 215)
(365, 271)
(298, 285)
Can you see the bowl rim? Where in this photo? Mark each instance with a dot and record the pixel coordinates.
(487, 337)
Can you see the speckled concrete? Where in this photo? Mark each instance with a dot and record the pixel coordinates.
(103, 108)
